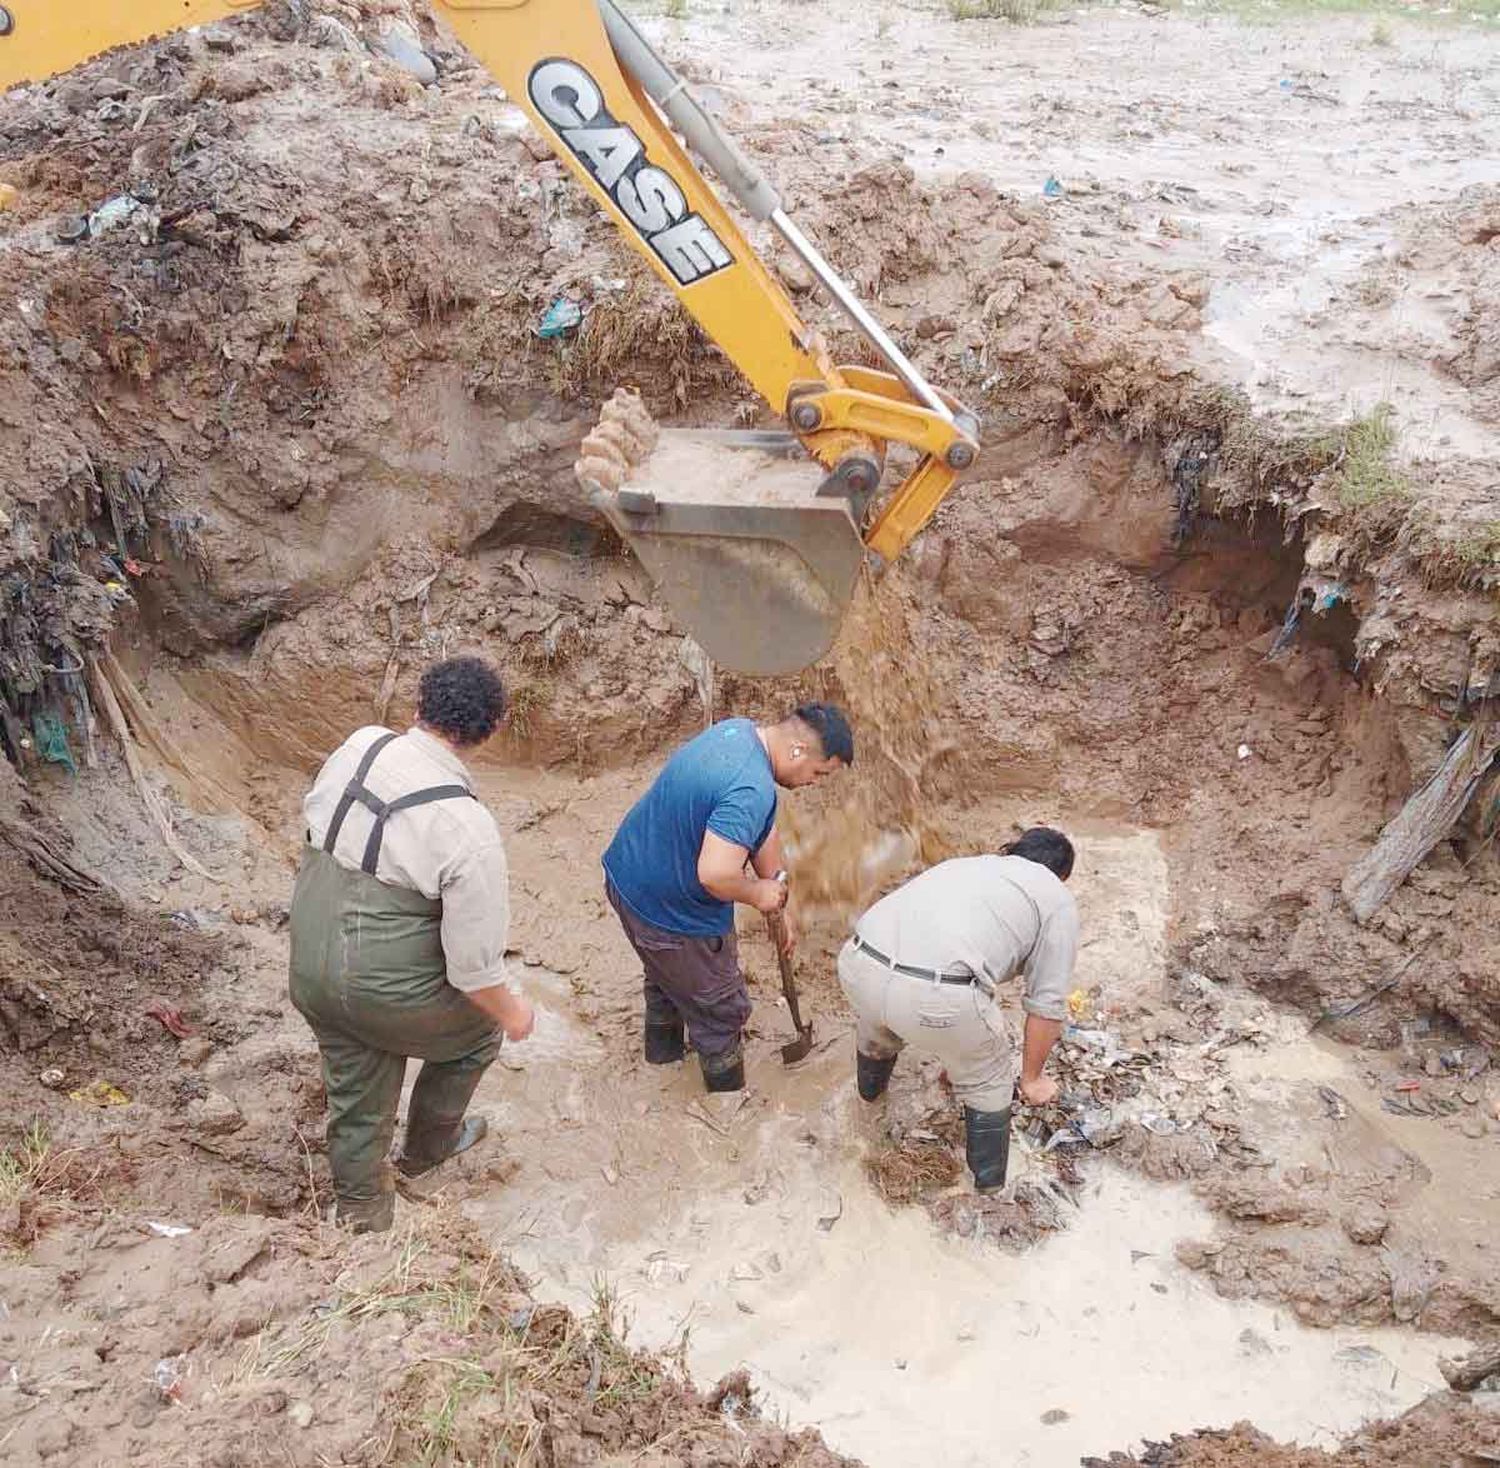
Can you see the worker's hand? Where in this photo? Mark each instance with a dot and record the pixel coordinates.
(769, 895)
(520, 1018)
(1039, 1092)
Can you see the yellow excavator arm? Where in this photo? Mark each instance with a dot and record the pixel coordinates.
(760, 579)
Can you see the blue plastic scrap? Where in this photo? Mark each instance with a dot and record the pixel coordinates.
(52, 740)
(1052, 189)
(561, 316)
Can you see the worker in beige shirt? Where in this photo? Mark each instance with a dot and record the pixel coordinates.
(399, 924)
(925, 967)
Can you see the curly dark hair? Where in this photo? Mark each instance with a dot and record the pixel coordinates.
(1046, 847)
(462, 698)
(828, 722)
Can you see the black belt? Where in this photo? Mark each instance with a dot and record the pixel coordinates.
(932, 975)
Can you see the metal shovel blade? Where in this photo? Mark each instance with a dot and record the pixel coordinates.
(750, 562)
(795, 1050)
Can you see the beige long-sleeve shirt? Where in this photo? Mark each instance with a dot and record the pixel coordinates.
(448, 849)
(995, 915)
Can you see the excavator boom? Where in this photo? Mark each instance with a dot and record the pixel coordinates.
(756, 555)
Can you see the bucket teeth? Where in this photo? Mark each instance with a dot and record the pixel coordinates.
(621, 440)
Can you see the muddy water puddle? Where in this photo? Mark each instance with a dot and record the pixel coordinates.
(1450, 1199)
(748, 1225)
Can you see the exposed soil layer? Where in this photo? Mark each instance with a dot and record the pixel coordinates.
(280, 428)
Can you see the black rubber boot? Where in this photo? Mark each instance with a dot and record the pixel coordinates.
(438, 1146)
(724, 1072)
(987, 1147)
(664, 1041)
(872, 1074)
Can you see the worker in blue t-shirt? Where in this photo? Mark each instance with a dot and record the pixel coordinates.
(702, 838)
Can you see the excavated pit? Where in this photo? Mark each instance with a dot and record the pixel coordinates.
(308, 408)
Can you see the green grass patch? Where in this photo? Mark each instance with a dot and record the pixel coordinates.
(1364, 476)
(1482, 544)
(24, 1169)
(1018, 12)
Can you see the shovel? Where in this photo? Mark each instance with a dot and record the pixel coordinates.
(797, 1049)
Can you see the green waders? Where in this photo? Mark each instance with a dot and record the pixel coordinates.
(368, 975)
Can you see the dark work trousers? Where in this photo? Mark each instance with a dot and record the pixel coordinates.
(697, 980)
(368, 975)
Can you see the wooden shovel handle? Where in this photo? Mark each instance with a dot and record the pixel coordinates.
(777, 927)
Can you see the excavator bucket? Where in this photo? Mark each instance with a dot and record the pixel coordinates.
(751, 563)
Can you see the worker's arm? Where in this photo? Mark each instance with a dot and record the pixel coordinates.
(1041, 1036)
(721, 870)
(771, 858)
(1049, 972)
(476, 927)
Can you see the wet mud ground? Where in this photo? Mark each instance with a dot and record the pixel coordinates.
(1260, 1219)
(745, 1231)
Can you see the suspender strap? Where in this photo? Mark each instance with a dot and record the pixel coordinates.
(403, 802)
(357, 790)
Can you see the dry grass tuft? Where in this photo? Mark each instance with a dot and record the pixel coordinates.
(39, 1184)
(1018, 12)
(491, 1361)
(903, 1173)
(641, 337)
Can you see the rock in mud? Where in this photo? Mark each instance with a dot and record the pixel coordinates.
(214, 1115)
(1366, 1223)
(52, 1438)
(1412, 1277)
(195, 1050)
(401, 45)
(1470, 1371)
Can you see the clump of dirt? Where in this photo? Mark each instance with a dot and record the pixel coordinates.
(82, 975)
(1445, 1429)
(116, 1024)
(851, 838)
(919, 1158)
(254, 1339)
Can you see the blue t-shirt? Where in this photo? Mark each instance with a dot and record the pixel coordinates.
(720, 782)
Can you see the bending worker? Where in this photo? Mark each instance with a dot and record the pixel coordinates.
(399, 923)
(702, 838)
(924, 968)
